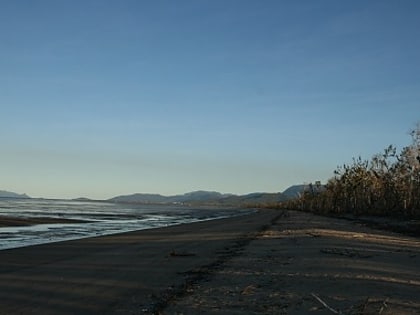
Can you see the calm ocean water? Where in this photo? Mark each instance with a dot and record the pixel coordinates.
(105, 218)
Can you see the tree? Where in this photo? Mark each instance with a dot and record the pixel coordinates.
(388, 184)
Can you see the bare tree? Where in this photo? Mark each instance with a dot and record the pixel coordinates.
(388, 184)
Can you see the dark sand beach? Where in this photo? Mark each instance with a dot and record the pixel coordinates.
(270, 262)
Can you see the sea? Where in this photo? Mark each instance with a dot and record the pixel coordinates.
(101, 218)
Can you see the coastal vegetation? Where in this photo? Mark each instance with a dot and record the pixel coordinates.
(387, 184)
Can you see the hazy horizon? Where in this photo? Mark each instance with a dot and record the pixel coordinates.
(141, 193)
(105, 98)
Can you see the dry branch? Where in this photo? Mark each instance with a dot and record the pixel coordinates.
(325, 304)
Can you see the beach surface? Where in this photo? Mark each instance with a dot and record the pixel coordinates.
(269, 262)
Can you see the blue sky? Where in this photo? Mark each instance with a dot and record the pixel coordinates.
(101, 98)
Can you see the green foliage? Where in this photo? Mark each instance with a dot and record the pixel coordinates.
(388, 184)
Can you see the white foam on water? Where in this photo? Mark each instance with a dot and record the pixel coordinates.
(103, 219)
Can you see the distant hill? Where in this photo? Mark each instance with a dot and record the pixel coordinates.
(9, 194)
(199, 197)
(253, 199)
(196, 196)
(140, 198)
(202, 197)
(293, 191)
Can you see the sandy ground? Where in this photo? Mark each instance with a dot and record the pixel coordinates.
(305, 264)
(271, 262)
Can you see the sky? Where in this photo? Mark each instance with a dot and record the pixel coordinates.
(103, 98)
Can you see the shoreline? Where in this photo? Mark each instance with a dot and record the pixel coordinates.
(103, 275)
(11, 221)
(270, 261)
(19, 231)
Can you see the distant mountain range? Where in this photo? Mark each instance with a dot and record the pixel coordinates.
(196, 196)
(9, 194)
(200, 197)
(213, 197)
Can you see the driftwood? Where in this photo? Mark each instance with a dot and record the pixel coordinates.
(325, 304)
(369, 301)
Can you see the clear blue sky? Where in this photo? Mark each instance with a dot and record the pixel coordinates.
(101, 98)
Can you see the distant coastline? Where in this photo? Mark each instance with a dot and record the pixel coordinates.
(200, 197)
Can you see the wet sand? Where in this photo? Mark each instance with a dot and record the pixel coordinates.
(6, 221)
(271, 262)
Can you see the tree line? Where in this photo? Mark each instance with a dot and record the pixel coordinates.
(387, 184)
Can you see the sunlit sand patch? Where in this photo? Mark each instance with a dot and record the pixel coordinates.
(341, 276)
(368, 237)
